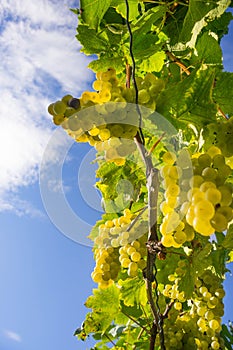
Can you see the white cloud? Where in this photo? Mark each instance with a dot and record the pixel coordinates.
(13, 336)
(40, 61)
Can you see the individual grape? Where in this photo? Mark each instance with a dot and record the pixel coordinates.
(169, 158)
(213, 195)
(143, 96)
(59, 108)
(58, 119)
(204, 209)
(206, 185)
(215, 345)
(104, 134)
(202, 226)
(66, 98)
(74, 103)
(218, 161)
(50, 109)
(204, 160)
(226, 195)
(209, 174)
(135, 256)
(219, 222)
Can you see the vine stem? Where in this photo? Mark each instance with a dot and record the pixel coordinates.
(152, 186)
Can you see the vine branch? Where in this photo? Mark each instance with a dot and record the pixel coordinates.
(152, 186)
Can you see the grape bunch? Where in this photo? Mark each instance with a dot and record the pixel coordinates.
(194, 323)
(107, 266)
(210, 196)
(120, 243)
(120, 231)
(220, 134)
(176, 171)
(132, 256)
(111, 124)
(196, 198)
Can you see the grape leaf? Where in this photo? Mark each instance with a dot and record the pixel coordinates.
(201, 259)
(199, 14)
(220, 25)
(120, 7)
(133, 291)
(187, 281)
(223, 91)
(133, 311)
(207, 51)
(105, 305)
(185, 101)
(103, 63)
(93, 11)
(154, 63)
(104, 300)
(92, 43)
(144, 23)
(228, 241)
(219, 258)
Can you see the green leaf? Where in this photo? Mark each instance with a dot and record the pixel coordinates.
(223, 91)
(133, 291)
(133, 311)
(103, 63)
(199, 14)
(187, 281)
(90, 40)
(227, 336)
(145, 45)
(219, 258)
(228, 241)
(121, 8)
(154, 63)
(186, 101)
(207, 51)
(105, 304)
(104, 300)
(144, 23)
(93, 11)
(220, 25)
(201, 258)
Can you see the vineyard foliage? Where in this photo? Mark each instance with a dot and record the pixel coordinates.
(160, 116)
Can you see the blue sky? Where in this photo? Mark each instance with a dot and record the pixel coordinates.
(45, 274)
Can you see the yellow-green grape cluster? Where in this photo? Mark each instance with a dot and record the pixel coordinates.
(120, 231)
(171, 290)
(132, 256)
(196, 197)
(198, 324)
(209, 198)
(220, 134)
(109, 126)
(107, 266)
(148, 90)
(174, 229)
(208, 308)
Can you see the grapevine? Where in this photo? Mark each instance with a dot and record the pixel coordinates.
(162, 130)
